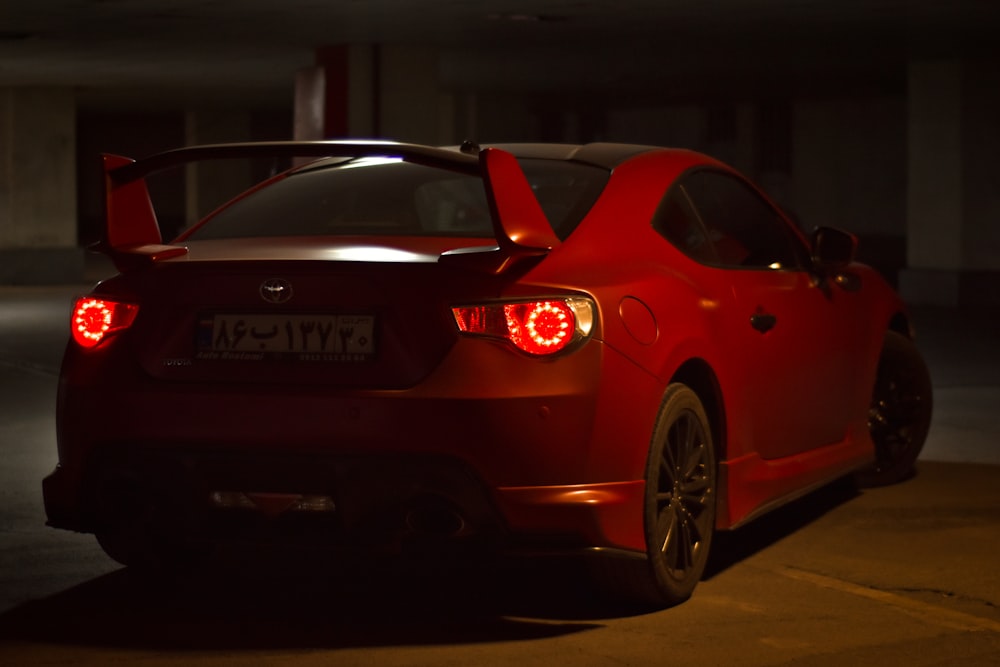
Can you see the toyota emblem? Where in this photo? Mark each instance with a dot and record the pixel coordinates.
(276, 290)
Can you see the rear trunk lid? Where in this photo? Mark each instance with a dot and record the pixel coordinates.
(360, 318)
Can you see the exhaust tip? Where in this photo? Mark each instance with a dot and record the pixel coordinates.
(437, 517)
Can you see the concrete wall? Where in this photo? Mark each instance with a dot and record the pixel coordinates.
(953, 240)
(849, 164)
(935, 206)
(981, 145)
(412, 107)
(38, 230)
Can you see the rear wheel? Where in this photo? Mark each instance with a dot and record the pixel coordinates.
(150, 553)
(679, 513)
(900, 413)
(144, 534)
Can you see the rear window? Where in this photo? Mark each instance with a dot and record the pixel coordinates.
(395, 198)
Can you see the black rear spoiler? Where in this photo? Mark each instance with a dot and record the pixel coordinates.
(132, 235)
(431, 156)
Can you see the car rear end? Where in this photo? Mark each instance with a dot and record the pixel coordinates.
(366, 367)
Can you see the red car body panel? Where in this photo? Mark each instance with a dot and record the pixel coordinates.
(559, 445)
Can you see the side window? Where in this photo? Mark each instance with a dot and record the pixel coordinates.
(676, 221)
(744, 229)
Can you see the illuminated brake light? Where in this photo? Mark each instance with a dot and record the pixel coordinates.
(537, 327)
(542, 327)
(95, 319)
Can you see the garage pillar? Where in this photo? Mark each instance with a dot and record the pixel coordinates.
(953, 201)
(337, 97)
(374, 91)
(38, 226)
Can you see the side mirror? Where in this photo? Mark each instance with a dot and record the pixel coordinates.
(832, 249)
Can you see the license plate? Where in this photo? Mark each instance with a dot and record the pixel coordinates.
(253, 337)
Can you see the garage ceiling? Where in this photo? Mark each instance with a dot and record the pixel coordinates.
(251, 48)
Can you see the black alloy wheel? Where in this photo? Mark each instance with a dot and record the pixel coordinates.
(679, 512)
(680, 495)
(899, 417)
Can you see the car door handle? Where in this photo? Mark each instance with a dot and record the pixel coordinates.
(763, 322)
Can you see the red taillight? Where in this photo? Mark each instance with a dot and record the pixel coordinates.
(95, 319)
(542, 327)
(536, 327)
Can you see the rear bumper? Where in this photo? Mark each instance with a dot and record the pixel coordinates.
(528, 451)
(376, 504)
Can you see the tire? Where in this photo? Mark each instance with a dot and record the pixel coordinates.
(145, 536)
(679, 512)
(899, 417)
(151, 554)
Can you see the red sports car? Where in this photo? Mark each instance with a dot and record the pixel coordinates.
(606, 349)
